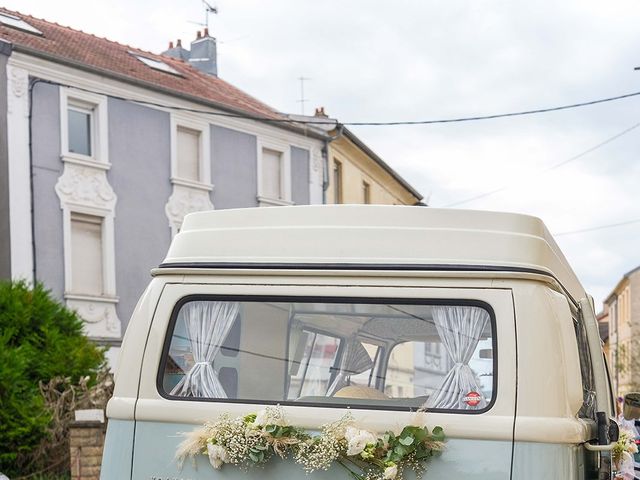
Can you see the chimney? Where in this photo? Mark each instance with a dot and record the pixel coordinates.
(177, 51)
(204, 53)
(320, 113)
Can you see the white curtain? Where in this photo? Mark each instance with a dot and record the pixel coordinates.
(355, 360)
(207, 325)
(460, 329)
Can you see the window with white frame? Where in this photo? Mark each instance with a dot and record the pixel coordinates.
(87, 254)
(188, 154)
(84, 135)
(274, 173)
(80, 129)
(190, 151)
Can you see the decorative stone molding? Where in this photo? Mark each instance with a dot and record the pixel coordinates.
(185, 200)
(85, 186)
(18, 80)
(99, 314)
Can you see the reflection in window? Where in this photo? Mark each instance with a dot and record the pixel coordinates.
(80, 130)
(331, 353)
(311, 374)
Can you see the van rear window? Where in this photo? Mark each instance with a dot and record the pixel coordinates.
(372, 353)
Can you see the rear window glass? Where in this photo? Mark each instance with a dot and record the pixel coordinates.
(362, 354)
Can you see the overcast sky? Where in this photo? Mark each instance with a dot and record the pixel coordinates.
(379, 61)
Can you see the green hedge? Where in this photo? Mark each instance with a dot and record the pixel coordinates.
(39, 339)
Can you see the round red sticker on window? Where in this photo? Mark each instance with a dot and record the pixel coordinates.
(472, 399)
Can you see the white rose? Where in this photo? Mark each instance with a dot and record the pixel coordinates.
(358, 440)
(633, 448)
(390, 472)
(261, 418)
(217, 455)
(267, 417)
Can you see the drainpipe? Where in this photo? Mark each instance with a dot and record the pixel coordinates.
(325, 171)
(325, 157)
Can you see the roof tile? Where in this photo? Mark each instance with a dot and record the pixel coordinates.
(102, 54)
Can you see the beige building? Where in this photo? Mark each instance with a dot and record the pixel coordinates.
(358, 175)
(622, 307)
(603, 328)
(355, 174)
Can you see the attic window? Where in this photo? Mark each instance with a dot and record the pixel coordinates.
(17, 22)
(156, 64)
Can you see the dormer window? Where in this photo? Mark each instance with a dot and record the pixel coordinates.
(16, 22)
(156, 64)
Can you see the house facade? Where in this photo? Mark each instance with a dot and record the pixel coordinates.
(622, 310)
(105, 148)
(359, 175)
(355, 174)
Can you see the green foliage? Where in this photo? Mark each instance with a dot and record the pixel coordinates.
(39, 339)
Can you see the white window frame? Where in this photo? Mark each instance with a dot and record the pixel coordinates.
(204, 161)
(285, 181)
(96, 106)
(108, 253)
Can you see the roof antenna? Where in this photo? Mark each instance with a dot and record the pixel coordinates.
(302, 99)
(208, 10)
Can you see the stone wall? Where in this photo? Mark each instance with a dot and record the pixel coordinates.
(86, 442)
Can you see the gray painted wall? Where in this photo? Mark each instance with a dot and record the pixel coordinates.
(233, 168)
(5, 232)
(300, 176)
(139, 152)
(47, 167)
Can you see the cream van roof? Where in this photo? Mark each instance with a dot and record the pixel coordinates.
(377, 235)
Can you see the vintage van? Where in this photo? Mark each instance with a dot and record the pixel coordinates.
(474, 317)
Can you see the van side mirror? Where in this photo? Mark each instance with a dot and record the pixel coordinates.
(631, 408)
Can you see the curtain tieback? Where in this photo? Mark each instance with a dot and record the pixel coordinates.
(203, 363)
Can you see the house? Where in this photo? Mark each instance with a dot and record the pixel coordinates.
(104, 148)
(355, 173)
(622, 308)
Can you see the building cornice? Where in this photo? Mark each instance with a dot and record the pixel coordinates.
(59, 60)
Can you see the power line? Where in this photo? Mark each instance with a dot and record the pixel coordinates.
(599, 227)
(320, 121)
(551, 167)
(497, 115)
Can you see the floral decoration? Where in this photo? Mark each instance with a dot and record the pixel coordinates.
(256, 438)
(624, 448)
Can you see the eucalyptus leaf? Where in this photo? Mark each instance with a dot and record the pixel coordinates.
(400, 450)
(254, 457)
(406, 441)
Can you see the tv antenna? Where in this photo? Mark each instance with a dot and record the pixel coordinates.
(208, 10)
(302, 99)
